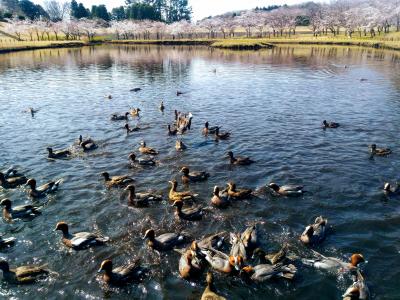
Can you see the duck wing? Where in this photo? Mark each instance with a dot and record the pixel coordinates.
(82, 239)
(249, 237)
(213, 241)
(170, 239)
(28, 271)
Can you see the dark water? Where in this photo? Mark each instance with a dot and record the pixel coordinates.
(273, 102)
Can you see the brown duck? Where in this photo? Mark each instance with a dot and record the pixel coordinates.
(18, 212)
(243, 161)
(131, 272)
(179, 196)
(220, 200)
(43, 190)
(188, 176)
(221, 135)
(140, 199)
(189, 213)
(210, 291)
(11, 182)
(59, 154)
(235, 193)
(116, 181)
(147, 150)
(23, 274)
(164, 242)
(191, 263)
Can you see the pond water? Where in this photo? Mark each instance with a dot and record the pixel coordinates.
(272, 101)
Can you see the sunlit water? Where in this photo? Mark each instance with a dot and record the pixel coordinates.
(272, 101)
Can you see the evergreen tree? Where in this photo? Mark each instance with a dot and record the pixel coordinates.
(31, 10)
(100, 12)
(118, 13)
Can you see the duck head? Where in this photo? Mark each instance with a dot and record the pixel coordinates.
(373, 147)
(106, 266)
(126, 114)
(258, 252)
(150, 234)
(206, 125)
(356, 259)
(229, 154)
(132, 156)
(216, 190)
(325, 123)
(236, 262)
(217, 132)
(80, 139)
(4, 266)
(50, 150)
(31, 183)
(185, 171)
(63, 227)
(6, 203)
(130, 188)
(2, 178)
(143, 143)
(174, 184)
(178, 204)
(106, 176)
(273, 186)
(386, 187)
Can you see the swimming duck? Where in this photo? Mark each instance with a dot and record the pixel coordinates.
(135, 112)
(18, 212)
(7, 242)
(116, 181)
(209, 293)
(172, 132)
(189, 213)
(87, 145)
(238, 248)
(326, 124)
(141, 161)
(314, 233)
(178, 93)
(129, 129)
(209, 130)
(220, 200)
(135, 90)
(180, 146)
(80, 240)
(358, 290)
(146, 150)
(140, 199)
(179, 196)
(235, 193)
(333, 263)
(221, 135)
(250, 238)
(286, 190)
(244, 161)
(131, 272)
(391, 191)
(23, 274)
(161, 107)
(164, 242)
(274, 258)
(191, 264)
(261, 273)
(11, 182)
(379, 151)
(12, 172)
(223, 263)
(43, 190)
(116, 117)
(193, 176)
(108, 96)
(58, 154)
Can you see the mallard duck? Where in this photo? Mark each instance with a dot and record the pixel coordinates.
(164, 242)
(59, 154)
(129, 129)
(11, 182)
(326, 124)
(146, 150)
(209, 130)
(141, 161)
(314, 233)
(391, 191)
(116, 117)
(286, 190)
(358, 290)
(80, 240)
(332, 263)
(209, 293)
(261, 273)
(189, 213)
(244, 161)
(135, 90)
(274, 258)
(238, 248)
(179, 196)
(193, 176)
(221, 135)
(7, 242)
(235, 193)
(117, 181)
(191, 264)
(87, 145)
(135, 112)
(23, 274)
(220, 200)
(180, 146)
(161, 106)
(18, 212)
(43, 190)
(223, 263)
(131, 272)
(140, 199)
(379, 151)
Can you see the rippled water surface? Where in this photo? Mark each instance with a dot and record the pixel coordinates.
(272, 101)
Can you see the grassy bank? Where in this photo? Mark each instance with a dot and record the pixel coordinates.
(13, 46)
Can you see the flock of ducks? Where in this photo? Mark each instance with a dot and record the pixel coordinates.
(236, 254)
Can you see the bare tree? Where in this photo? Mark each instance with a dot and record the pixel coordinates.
(57, 10)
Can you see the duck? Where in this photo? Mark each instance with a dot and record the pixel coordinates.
(286, 190)
(391, 191)
(209, 130)
(334, 264)
(7, 242)
(238, 248)
(11, 173)
(250, 238)
(23, 274)
(235, 193)
(188, 176)
(164, 242)
(221, 135)
(314, 233)
(135, 90)
(116, 181)
(131, 272)
(18, 212)
(179, 196)
(141, 161)
(191, 263)
(161, 106)
(140, 199)
(223, 263)
(188, 214)
(215, 241)
(172, 131)
(43, 190)
(244, 161)
(326, 124)
(116, 117)
(11, 182)
(210, 292)
(274, 258)
(358, 290)
(109, 96)
(135, 112)
(87, 145)
(129, 129)
(178, 93)
(180, 146)
(59, 154)
(261, 273)
(147, 150)
(80, 240)
(379, 151)
(220, 200)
